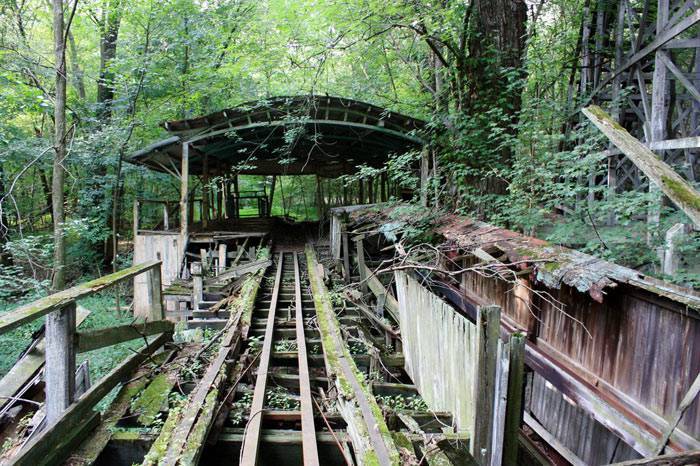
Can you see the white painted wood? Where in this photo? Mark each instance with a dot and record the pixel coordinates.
(148, 247)
(674, 235)
(445, 382)
(197, 284)
(222, 257)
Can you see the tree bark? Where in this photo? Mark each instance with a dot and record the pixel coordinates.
(111, 21)
(59, 258)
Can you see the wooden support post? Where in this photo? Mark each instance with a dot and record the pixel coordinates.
(197, 284)
(370, 190)
(659, 110)
(360, 191)
(136, 218)
(345, 194)
(272, 195)
(383, 187)
(359, 248)
(184, 201)
(222, 257)
(488, 330)
(514, 399)
(672, 255)
(166, 219)
(346, 257)
(659, 173)
(60, 362)
(424, 170)
(236, 198)
(155, 295)
(205, 192)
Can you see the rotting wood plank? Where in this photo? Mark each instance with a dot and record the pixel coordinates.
(662, 175)
(188, 438)
(488, 321)
(43, 306)
(310, 452)
(372, 440)
(92, 446)
(44, 448)
(93, 339)
(249, 454)
(236, 272)
(60, 361)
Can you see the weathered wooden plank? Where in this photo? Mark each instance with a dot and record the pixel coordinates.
(236, 272)
(43, 306)
(310, 453)
(676, 459)
(487, 337)
(93, 339)
(372, 441)
(514, 399)
(670, 182)
(60, 362)
(41, 450)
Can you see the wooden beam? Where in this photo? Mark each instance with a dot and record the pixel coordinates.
(372, 441)
(487, 336)
(660, 41)
(514, 399)
(184, 201)
(676, 459)
(93, 339)
(50, 303)
(672, 184)
(60, 362)
(310, 453)
(43, 447)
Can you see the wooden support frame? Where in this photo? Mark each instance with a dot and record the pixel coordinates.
(184, 200)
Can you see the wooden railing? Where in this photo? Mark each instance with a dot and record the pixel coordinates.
(64, 414)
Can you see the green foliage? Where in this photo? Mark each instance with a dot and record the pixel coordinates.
(280, 398)
(402, 402)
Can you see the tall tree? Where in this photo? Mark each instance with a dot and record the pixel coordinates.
(59, 172)
(109, 33)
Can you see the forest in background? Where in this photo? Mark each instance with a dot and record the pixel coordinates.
(497, 82)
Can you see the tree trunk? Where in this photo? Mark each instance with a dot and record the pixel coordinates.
(59, 257)
(5, 258)
(78, 81)
(108, 52)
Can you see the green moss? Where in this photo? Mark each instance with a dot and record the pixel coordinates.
(551, 266)
(600, 114)
(152, 399)
(402, 441)
(370, 459)
(334, 348)
(683, 192)
(160, 446)
(126, 435)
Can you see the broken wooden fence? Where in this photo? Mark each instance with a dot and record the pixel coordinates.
(69, 419)
(465, 368)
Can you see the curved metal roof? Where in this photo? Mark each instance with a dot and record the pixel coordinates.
(323, 135)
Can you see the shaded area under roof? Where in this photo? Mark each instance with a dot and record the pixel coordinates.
(300, 135)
